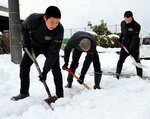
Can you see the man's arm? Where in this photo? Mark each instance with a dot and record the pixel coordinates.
(88, 59)
(25, 30)
(87, 62)
(67, 52)
(135, 38)
(68, 48)
(124, 30)
(53, 51)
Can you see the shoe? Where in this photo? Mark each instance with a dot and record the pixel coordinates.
(96, 87)
(117, 76)
(140, 77)
(69, 80)
(68, 86)
(20, 96)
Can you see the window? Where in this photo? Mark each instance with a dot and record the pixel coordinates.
(146, 41)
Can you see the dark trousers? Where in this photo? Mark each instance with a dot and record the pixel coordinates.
(25, 71)
(75, 61)
(123, 56)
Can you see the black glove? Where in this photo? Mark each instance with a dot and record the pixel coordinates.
(43, 76)
(81, 79)
(65, 66)
(26, 45)
(120, 40)
(131, 51)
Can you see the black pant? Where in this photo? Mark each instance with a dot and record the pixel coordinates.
(123, 56)
(25, 70)
(75, 61)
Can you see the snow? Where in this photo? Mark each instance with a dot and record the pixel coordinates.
(127, 98)
(92, 32)
(4, 3)
(113, 35)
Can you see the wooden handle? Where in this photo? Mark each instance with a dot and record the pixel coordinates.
(86, 86)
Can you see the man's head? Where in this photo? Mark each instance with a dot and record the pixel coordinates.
(52, 17)
(85, 44)
(128, 17)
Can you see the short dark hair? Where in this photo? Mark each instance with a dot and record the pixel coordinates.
(128, 14)
(52, 11)
(85, 44)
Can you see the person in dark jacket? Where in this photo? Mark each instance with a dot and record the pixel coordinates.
(44, 34)
(82, 42)
(129, 37)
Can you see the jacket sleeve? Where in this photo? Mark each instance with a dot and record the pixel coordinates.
(135, 38)
(68, 48)
(121, 37)
(67, 52)
(87, 62)
(89, 58)
(53, 51)
(25, 30)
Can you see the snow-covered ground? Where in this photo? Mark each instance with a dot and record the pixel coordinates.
(127, 98)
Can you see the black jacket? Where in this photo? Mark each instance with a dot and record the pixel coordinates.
(130, 35)
(74, 43)
(36, 34)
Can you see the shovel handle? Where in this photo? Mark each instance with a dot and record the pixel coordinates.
(33, 58)
(86, 86)
(82, 83)
(137, 64)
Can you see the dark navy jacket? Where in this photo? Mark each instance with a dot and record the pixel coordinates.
(74, 43)
(35, 32)
(130, 35)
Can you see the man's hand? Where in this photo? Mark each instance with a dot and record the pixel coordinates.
(120, 40)
(43, 76)
(81, 79)
(26, 45)
(131, 51)
(65, 66)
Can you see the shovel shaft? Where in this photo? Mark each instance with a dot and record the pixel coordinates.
(47, 89)
(33, 58)
(86, 86)
(82, 83)
(137, 64)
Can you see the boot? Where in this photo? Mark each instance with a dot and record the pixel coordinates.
(70, 80)
(119, 68)
(97, 80)
(117, 75)
(139, 72)
(20, 96)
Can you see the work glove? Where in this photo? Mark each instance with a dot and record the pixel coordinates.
(81, 79)
(43, 76)
(131, 51)
(65, 66)
(120, 40)
(27, 45)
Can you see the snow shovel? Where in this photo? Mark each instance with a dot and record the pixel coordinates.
(50, 99)
(68, 70)
(139, 65)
